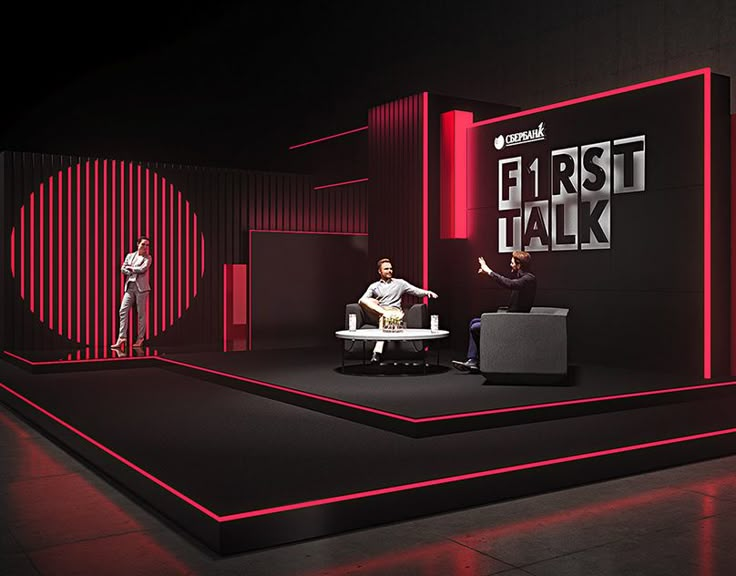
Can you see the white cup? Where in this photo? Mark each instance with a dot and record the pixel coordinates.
(353, 322)
(434, 322)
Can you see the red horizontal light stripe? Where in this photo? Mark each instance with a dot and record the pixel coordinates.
(328, 137)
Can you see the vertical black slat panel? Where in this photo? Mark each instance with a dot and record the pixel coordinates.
(5, 230)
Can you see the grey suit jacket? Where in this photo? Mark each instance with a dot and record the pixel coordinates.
(136, 267)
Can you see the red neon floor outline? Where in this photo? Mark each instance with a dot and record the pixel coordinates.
(369, 493)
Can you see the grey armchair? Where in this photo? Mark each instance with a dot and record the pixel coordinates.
(524, 347)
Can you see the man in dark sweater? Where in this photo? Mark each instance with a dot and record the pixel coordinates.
(523, 286)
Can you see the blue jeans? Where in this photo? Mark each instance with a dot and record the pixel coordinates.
(474, 339)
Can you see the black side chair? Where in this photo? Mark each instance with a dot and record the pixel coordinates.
(416, 316)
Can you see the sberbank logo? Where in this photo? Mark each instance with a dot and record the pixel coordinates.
(523, 137)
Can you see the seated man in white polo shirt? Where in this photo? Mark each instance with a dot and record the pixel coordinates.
(383, 299)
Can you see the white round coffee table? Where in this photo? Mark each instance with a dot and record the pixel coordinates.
(375, 334)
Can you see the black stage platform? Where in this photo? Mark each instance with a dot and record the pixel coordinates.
(244, 450)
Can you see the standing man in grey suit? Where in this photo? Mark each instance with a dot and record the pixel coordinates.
(135, 267)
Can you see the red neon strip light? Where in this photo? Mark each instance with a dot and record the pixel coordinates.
(707, 336)
(179, 267)
(164, 247)
(23, 252)
(69, 253)
(132, 326)
(88, 239)
(195, 241)
(51, 253)
(155, 263)
(476, 475)
(171, 255)
(224, 307)
(377, 492)
(33, 251)
(148, 231)
(140, 231)
(79, 253)
(59, 246)
(114, 245)
(425, 193)
(591, 97)
(328, 137)
(112, 453)
(12, 251)
(188, 279)
(105, 268)
(41, 245)
(346, 183)
(97, 254)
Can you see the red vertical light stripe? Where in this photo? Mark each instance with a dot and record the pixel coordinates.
(131, 238)
(33, 252)
(425, 192)
(41, 263)
(23, 252)
(224, 307)
(114, 246)
(155, 262)
(97, 255)
(164, 247)
(186, 256)
(88, 239)
(78, 260)
(12, 251)
(69, 252)
(195, 241)
(140, 231)
(171, 255)
(52, 253)
(148, 231)
(179, 269)
(59, 247)
(105, 268)
(707, 226)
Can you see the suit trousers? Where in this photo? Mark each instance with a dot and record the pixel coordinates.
(132, 294)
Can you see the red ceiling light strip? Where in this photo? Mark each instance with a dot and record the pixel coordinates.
(345, 183)
(328, 138)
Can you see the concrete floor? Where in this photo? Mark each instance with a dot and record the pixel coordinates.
(59, 518)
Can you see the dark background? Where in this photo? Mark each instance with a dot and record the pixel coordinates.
(232, 84)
